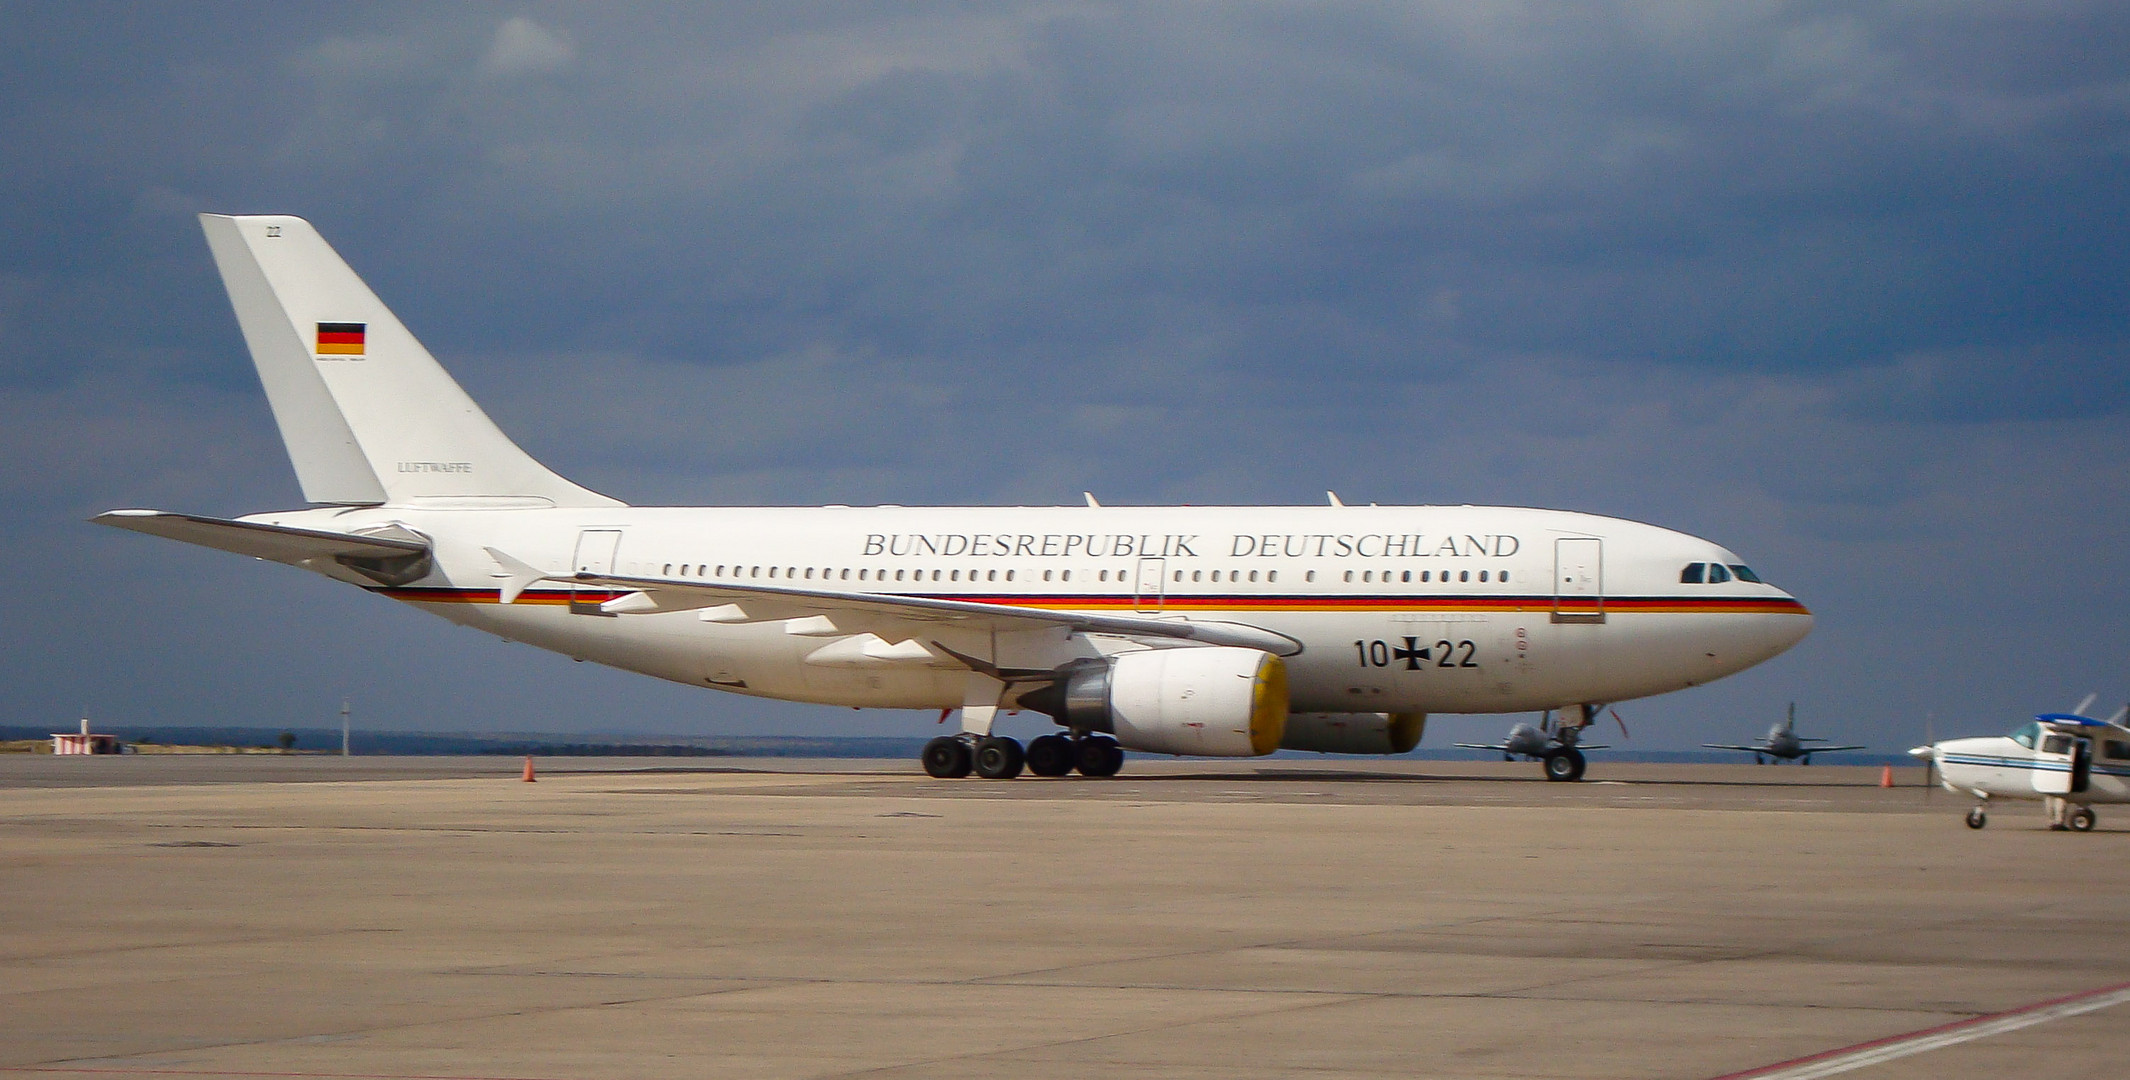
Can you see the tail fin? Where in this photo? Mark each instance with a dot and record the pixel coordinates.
(367, 414)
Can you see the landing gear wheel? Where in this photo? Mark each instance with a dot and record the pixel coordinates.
(1099, 757)
(2081, 819)
(998, 758)
(1050, 755)
(1564, 765)
(1977, 818)
(946, 758)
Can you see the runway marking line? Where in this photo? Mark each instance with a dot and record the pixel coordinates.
(1847, 1058)
(62, 1070)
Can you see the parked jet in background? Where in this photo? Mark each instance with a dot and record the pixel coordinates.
(1558, 747)
(1218, 631)
(1784, 744)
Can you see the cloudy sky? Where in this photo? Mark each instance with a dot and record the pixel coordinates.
(1845, 287)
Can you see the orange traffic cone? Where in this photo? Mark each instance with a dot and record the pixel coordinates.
(528, 769)
(1885, 774)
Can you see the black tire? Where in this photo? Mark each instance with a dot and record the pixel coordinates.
(946, 758)
(998, 758)
(1050, 755)
(2081, 819)
(1977, 818)
(1099, 757)
(1563, 765)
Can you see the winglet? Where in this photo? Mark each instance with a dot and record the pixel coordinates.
(516, 576)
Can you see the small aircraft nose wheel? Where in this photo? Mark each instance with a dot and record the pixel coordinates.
(1977, 818)
(2081, 819)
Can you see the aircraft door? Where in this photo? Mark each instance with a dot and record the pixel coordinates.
(2056, 764)
(595, 555)
(2081, 764)
(1578, 579)
(1146, 586)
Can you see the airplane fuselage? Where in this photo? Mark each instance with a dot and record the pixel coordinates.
(1391, 609)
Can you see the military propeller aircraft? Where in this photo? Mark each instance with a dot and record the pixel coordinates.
(1783, 743)
(1558, 747)
(1221, 631)
(2066, 760)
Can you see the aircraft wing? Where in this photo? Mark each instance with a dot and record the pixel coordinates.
(867, 611)
(1498, 748)
(277, 543)
(1832, 749)
(1735, 746)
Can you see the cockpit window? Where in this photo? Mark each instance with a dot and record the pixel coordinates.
(1717, 575)
(1745, 573)
(2026, 736)
(1692, 574)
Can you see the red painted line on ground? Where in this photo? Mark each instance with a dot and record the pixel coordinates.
(1922, 1033)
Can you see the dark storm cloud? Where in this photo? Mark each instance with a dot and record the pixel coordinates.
(1841, 284)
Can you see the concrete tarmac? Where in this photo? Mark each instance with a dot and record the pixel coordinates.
(423, 917)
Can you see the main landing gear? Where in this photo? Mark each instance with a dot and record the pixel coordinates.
(995, 757)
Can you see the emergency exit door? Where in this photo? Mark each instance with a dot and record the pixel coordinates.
(595, 555)
(1146, 585)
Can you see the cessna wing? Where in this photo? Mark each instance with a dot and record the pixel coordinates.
(870, 612)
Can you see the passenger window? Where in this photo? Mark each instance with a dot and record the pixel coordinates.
(1046, 575)
(2056, 744)
(1406, 576)
(1271, 575)
(2117, 749)
(1349, 575)
(1194, 575)
(1009, 575)
(846, 574)
(1482, 576)
(1464, 575)
(1066, 576)
(1745, 573)
(1504, 576)
(898, 575)
(1692, 574)
(1717, 575)
(1310, 576)
(955, 576)
(935, 575)
(1368, 575)
(1101, 575)
(809, 573)
(772, 571)
(1253, 575)
(1425, 575)
(992, 576)
(861, 575)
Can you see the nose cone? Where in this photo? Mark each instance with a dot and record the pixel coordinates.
(1791, 628)
(1923, 751)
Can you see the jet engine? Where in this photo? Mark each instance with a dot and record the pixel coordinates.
(1215, 701)
(1354, 733)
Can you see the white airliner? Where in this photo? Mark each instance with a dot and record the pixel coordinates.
(1220, 631)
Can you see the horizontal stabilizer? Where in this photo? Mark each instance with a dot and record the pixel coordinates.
(385, 559)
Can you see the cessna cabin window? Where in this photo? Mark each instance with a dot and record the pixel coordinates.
(2117, 749)
(2056, 744)
(2027, 736)
(1692, 574)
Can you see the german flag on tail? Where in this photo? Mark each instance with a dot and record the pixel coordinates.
(340, 338)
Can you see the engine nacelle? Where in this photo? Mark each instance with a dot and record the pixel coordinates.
(1354, 733)
(1214, 702)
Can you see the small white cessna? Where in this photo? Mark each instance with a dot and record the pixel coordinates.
(1221, 631)
(2066, 760)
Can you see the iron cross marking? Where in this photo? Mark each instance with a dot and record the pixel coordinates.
(1413, 655)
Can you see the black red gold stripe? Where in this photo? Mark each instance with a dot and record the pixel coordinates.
(1446, 605)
